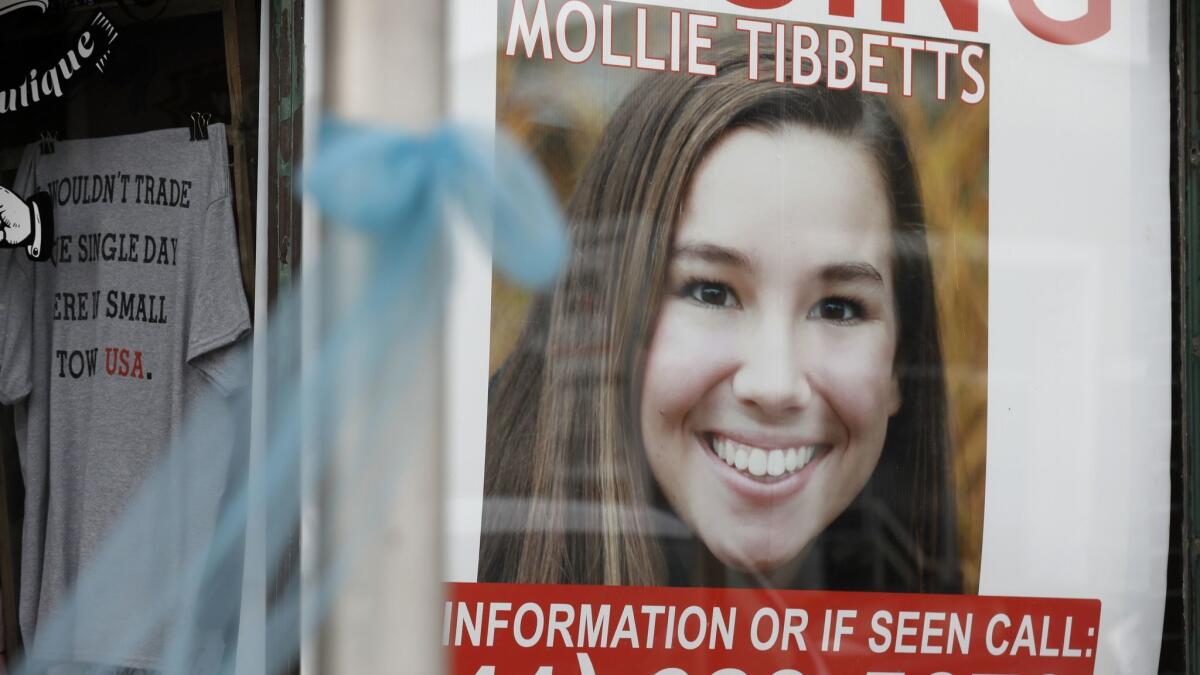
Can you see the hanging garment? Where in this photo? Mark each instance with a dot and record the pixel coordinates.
(131, 325)
(16, 313)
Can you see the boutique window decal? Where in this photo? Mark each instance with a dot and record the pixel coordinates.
(9, 6)
(26, 224)
(90, 48)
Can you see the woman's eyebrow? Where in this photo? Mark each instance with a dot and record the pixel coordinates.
(851, 271)
(711, 253)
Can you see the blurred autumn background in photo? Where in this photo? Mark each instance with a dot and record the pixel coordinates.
(557, 111)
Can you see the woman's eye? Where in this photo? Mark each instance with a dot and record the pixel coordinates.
(711, 294)
(841, 310)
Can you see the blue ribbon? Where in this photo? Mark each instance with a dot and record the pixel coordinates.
(401, 188)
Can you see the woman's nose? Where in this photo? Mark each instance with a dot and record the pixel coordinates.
(771, 375)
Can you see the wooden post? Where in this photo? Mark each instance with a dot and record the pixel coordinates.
(385, 65)
(241, 67)
(1187, 44)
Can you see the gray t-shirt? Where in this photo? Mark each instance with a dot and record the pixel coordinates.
(16, 316)
(130, 328)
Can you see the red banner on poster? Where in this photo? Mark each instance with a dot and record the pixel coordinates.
(498, 629)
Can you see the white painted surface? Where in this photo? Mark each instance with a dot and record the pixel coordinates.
(1078, 451)
(384, 66)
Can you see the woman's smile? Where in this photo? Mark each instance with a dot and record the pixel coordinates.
(760, 475)
(764, 464)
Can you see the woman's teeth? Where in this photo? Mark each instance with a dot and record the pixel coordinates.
(759, 462)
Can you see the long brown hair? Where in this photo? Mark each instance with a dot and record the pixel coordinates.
(569, 496)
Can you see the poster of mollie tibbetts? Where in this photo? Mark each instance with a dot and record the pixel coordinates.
(766, 362)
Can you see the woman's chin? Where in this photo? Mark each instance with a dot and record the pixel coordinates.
(756, 562)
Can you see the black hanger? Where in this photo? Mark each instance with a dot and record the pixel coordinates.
(199, 126)
(47, 142)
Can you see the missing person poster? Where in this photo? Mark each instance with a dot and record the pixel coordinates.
(861, 360)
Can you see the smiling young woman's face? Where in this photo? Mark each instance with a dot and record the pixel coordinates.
(769, 380)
